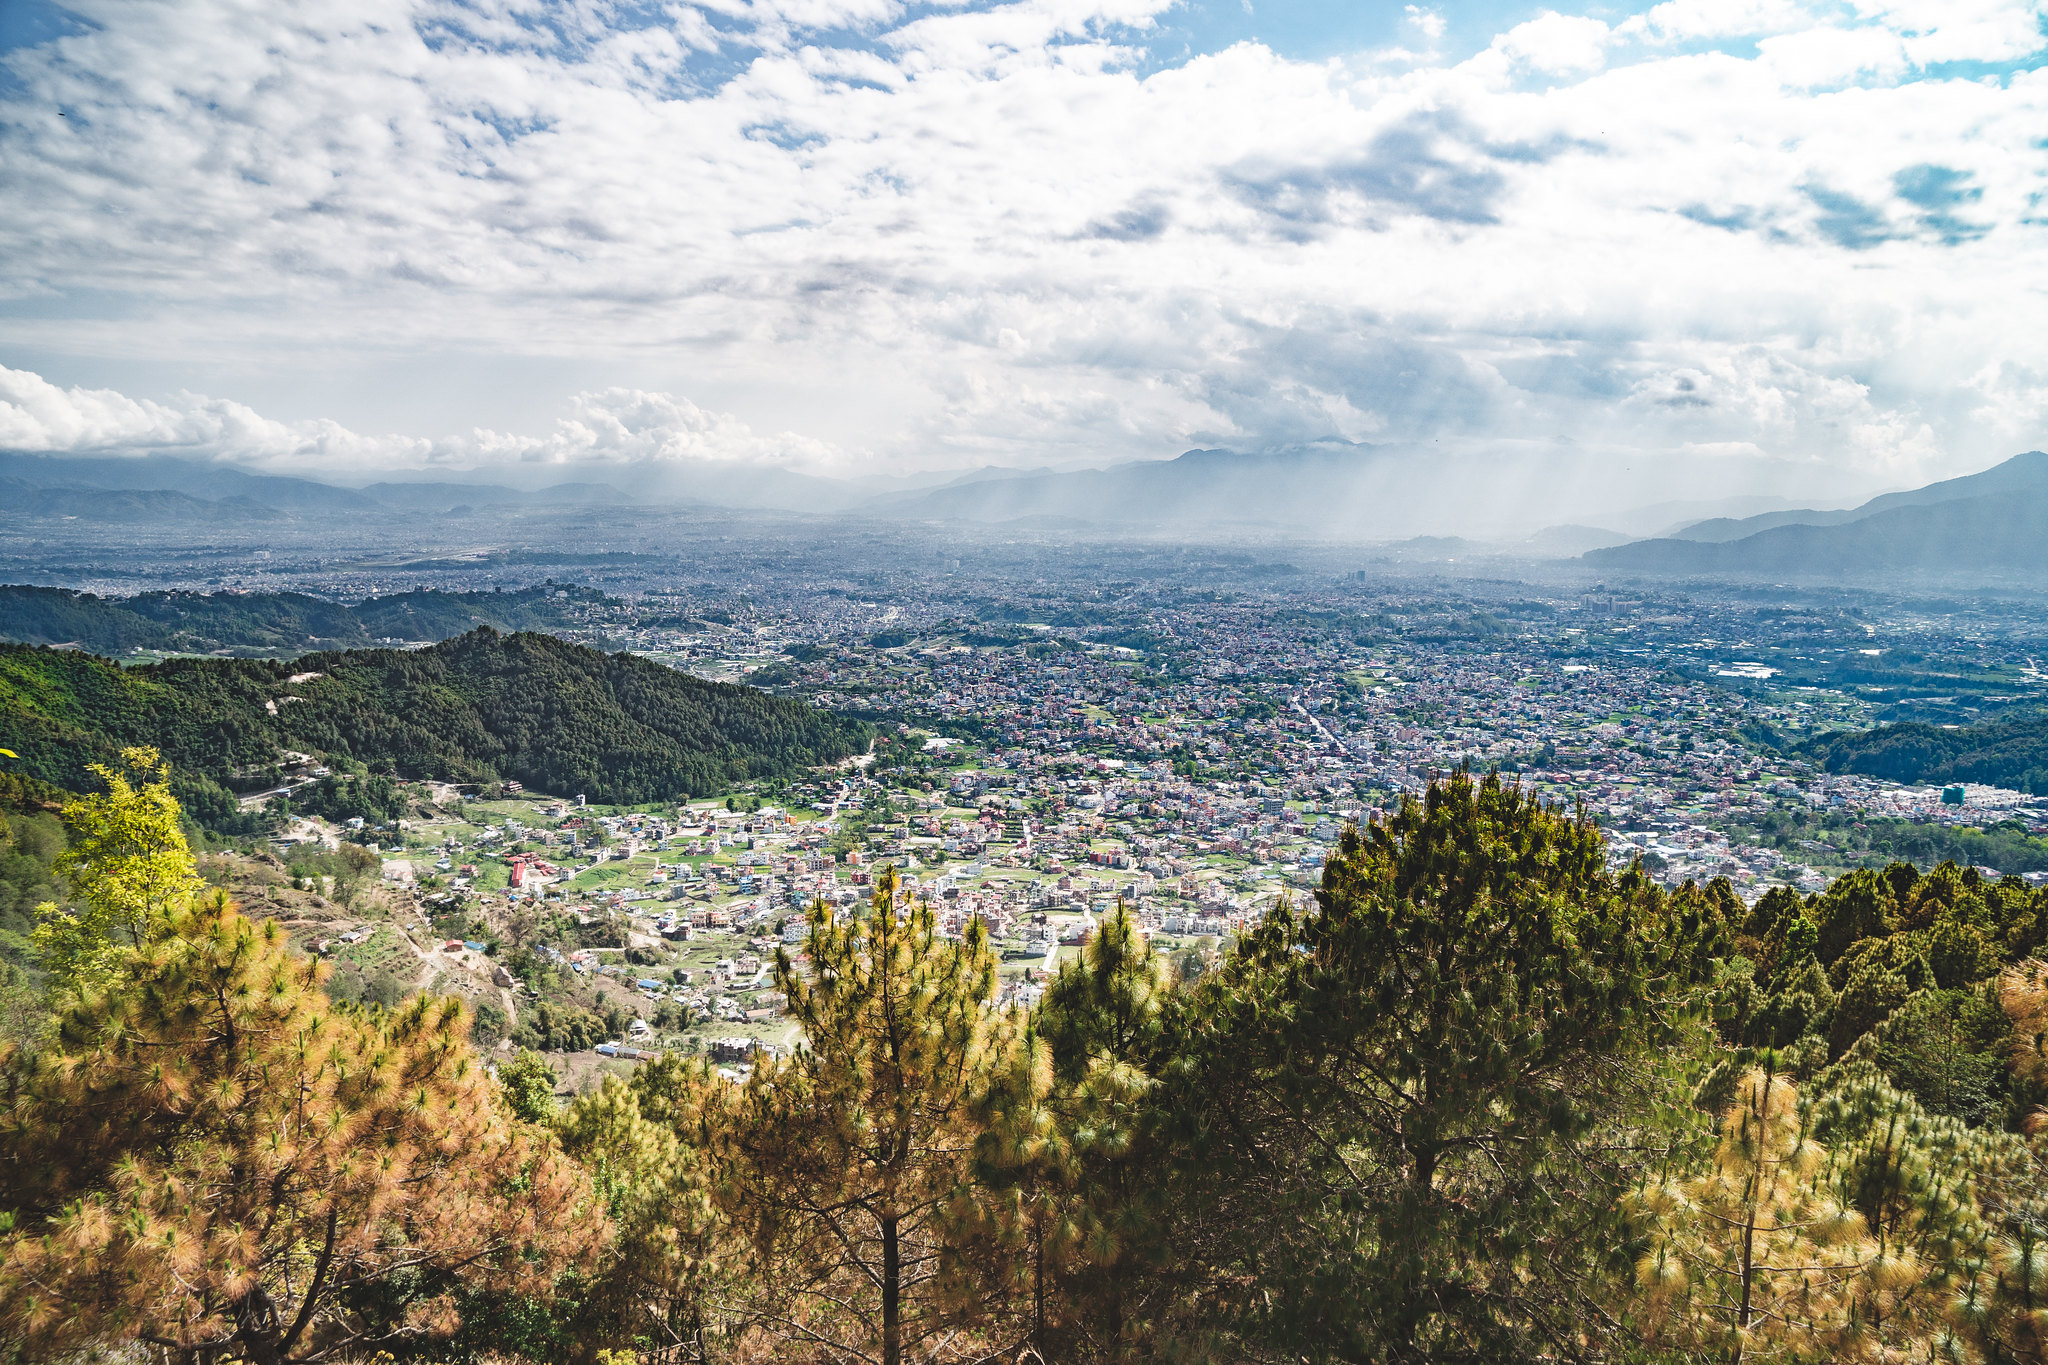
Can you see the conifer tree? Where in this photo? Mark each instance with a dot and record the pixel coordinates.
(665, 1281)
(1754, 1258)
(1105, 1019)
(1066, 1164)
(840, 1164)
(1850, 1227)
(1858, 905)
(1407, 1115)
(1919, 1182)
(529, 1085)
(212, 1158)
(1015, 1224)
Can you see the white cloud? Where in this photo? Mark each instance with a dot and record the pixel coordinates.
(1962, 30)
(1831, 56)
(1556, 44)
(1428, 22)
(633, 426)
(36, 415)
(919, 236)
(612, 427)
(1680, 21)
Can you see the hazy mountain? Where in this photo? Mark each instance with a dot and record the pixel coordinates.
(155, 506)
(1337, 490)
(1318, 488)
(2026, 473)
(1662, 519)
(1995, 522)
(442, 496)
(1565, 542)
(197, 479)
(1719, 530)
(1327, 490)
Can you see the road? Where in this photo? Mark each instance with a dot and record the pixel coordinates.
(1313, 719)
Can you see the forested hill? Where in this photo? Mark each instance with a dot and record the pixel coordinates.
(484, 706)
(2003, 753)
(274, 621)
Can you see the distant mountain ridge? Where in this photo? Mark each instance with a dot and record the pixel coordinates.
(172, 489)
(2021, 474)
(1501, 497)
(198, 480)
(1994, 521)
(1346, 492)
(129, 505)
(1200, 487)
(436, 496)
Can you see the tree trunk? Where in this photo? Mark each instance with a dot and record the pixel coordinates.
(892, 1295)
(257, 1327)
(1038, 1290)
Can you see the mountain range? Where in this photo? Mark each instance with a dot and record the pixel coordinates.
(1415, 504)
(205, 490)
(1990, 523)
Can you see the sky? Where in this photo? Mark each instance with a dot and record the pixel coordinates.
(865, 237)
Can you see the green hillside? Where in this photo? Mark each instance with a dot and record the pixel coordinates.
(2004, 753)
(194, 622)
(484, 706)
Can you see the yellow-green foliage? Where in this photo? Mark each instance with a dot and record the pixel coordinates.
(128, 866)
(1754, 1257)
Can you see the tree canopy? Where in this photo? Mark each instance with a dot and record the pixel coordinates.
(1488, 1095)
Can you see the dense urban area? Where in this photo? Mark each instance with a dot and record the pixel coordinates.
(1064, 727)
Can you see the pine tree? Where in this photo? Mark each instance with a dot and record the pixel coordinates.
(840, 1164)
(210, 1155)
(1919, 1182)
(1406, 1115)
(1753, 1258)
(1067, 1194)
(665, 1280)
(1014, 1225)
(1851, 1227)
(1105, 1020)
(528, 1083)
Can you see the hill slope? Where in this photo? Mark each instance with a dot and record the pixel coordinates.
(558, 717)
(1989, 522)
(202, 622)
(2003, 753)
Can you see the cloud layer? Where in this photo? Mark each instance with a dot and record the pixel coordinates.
(612, 427)
(911, 236)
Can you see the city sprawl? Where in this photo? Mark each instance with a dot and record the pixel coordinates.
(1190, 735)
